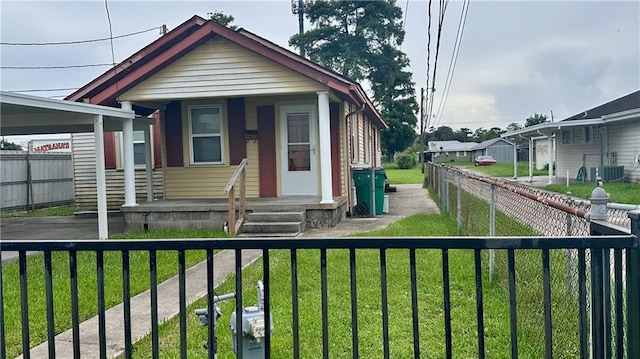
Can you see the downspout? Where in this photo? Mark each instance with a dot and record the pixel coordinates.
(349, 131)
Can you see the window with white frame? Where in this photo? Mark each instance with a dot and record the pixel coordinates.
(139, 158)
(588, 134)
(205, 134)
(567, 136)
(138, 148)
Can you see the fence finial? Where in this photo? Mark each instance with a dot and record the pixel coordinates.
(599, 200)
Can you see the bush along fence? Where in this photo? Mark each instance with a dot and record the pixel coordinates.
(485, 206)
(34, 180)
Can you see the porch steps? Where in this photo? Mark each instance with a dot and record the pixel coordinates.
(274, 224)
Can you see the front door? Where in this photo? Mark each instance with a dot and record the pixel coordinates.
(299, 165)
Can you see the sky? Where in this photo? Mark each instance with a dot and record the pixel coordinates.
(516, 58)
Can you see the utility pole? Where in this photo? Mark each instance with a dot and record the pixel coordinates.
(551, 115)
(297, 7)
(164, 29)
(422, 129)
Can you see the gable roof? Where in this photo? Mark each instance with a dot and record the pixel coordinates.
(624, 103)
(159, 54)
(484, 144)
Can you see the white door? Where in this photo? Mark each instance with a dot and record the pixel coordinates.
(298, 150)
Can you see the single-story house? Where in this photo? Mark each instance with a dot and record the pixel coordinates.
(221, 96)
(500, 149)
(598, 142)
(451, 151)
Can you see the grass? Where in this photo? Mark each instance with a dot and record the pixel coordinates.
(503, 169)
(404, 176)
(65, 211)
(167, 266)
(620, 192)
(430, 303)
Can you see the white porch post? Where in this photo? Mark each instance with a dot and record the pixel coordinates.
(101, 178)
(129, 171)
(147, 161)
(515, 158)
(324, 124)
(530, 159)
(550, 157)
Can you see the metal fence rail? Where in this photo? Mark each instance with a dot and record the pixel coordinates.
(597, 341)
(30, 180)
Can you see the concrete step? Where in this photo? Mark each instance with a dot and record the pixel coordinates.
(273, 227)
(276, 217)
(269, 235)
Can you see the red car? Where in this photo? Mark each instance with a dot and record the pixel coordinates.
(484, 161)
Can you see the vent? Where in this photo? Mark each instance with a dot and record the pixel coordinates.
(607, 173)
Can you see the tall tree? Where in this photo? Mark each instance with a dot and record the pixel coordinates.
(535, 120)
(359, 39)
(6, 145)
(222, 19)
(513, 126)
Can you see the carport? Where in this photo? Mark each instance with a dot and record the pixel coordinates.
(31, 115)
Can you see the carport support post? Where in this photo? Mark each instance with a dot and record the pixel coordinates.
(101, 178)
(147, 160)
(550, 157)
(325, 146)
(127, 146)
(530, 159)
(515, 158)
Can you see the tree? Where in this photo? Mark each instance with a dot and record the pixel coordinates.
(222, 19)
(6, 145)
(513, 126)
(360, 40)
(535, 119)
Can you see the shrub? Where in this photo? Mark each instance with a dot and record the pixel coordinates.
(406, 162)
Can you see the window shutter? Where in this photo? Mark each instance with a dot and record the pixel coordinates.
(173, 134)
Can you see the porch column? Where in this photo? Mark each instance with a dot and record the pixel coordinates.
(550, 157)
(531, 159)
(127, 147)
(325, 146)
(101, 178)
(147, 161)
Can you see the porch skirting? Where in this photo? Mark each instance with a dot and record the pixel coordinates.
(213, 213)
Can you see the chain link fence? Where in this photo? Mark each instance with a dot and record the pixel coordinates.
(486, 206)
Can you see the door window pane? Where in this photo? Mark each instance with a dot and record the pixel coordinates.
(299, 158)
(298, 127)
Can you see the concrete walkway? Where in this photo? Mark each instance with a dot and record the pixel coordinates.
(408, 200)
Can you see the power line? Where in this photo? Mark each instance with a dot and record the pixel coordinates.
(51, 67)
(45, 90)
(78, 41)
(113, 56)
(442, 9)
(453, 61)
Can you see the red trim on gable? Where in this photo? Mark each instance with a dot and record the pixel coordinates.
(334, 116)
(109, 151)
(237, 127)
(173, 134)
(154, 65)
(157, 140)
(267, 151)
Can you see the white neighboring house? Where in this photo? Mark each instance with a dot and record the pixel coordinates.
(604, 141)
(451, 151)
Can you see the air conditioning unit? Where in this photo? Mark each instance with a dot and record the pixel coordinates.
(607, 173)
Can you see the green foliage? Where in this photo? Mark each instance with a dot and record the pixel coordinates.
(535, 120)
(406, 161)
(222, 19)
(6, 145)
(620, 192)
(513, 126)
(399, 176)
(360, 40)
(504, 169)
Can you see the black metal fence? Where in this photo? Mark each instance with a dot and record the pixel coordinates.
(600, 340)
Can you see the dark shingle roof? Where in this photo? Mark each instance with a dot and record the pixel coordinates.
(624, 103)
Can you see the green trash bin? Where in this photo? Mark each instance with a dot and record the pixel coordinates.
(362, 182)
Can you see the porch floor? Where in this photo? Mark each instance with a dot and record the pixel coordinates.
(274, 204)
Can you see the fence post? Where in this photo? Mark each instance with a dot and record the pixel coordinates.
(570, 264)
(599, 328)
(446, 190)
(633, 289)
(459, 204)
(373, 191)
(492, 230)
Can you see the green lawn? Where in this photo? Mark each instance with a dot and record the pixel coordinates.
(167, 266)
(42, 212)
(431, 321)
(620, 192)
(503, 169)
(402, 176)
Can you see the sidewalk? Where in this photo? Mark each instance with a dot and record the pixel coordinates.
(408, 200)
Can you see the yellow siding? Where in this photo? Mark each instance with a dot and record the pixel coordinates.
(219, 68)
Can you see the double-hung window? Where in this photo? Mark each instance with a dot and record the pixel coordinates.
(138, 148)
(205, 131)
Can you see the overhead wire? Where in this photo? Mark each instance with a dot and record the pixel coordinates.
(452, 62)
(45, 90)
(441, 13)
(111, 38)
(51, 67)
(113, 56)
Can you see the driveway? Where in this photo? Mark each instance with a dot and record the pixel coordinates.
(43, 228)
